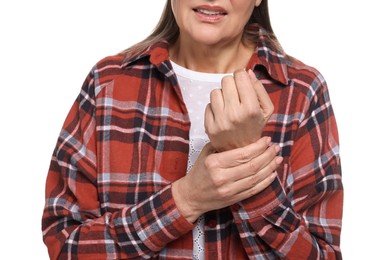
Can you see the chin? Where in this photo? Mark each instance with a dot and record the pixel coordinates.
(209, 39)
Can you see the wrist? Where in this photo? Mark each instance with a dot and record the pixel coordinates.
(179, 193)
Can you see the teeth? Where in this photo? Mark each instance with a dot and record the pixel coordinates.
(208, 12)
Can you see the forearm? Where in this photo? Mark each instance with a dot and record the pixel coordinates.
(289, 231)
(132, 232)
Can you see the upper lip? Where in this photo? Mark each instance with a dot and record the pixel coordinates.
(210, 8)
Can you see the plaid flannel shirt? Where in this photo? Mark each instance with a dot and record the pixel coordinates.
(125, 140)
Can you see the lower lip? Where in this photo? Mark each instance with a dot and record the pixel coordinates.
(209, 18)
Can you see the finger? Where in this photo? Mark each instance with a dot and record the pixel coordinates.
(267, 161)
(256, 189)
(264, 100)
(263, 173)
(234, 188)
(239, 156)
(251, 182)
(209, 119)
(217, 102)
(268, 158)
(247, 93)
(230, 94)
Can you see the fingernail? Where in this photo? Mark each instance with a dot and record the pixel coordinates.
(279, 160)
(277, 148)
(268, 140)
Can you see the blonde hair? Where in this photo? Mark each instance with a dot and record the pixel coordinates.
(168, 30)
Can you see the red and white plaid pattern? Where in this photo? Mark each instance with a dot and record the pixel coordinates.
(125, 140)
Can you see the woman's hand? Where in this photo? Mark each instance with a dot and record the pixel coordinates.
(238, 112)
(218, 180)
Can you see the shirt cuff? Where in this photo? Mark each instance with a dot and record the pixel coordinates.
(157, 220)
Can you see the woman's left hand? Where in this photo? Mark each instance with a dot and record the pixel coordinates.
(238, 111)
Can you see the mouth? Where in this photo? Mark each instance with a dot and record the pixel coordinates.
(210, 11)
(210, 14)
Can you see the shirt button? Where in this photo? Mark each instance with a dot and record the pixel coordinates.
(212, 223)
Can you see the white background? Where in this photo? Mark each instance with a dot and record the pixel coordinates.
(48, 47)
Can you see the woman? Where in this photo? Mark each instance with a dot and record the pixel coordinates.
(203, 141)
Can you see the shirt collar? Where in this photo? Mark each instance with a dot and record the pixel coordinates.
(269, 55)
(266, 54)
(157, 53)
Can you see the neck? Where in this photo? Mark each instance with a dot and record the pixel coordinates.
(224, 58)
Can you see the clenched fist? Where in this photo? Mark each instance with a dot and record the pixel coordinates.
(237, 112)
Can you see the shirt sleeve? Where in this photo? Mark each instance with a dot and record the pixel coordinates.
(74, 224)
(299, 215)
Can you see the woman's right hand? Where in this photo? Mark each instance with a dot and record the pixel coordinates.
(218, 180)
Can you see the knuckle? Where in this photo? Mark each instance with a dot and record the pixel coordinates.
(253, 111)
(243, 154)
(215, 93)
(255, 179)
(226, 79)
(270, 167)
(224, 126)
(234, 117)
(271, 152)
(219, 182)
(254, 165)
(223, 192)
(210, 163)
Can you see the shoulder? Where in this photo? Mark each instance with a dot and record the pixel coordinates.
(298, 70)
(108, 69)
(104, 72)
(109, 62)
(305, 77)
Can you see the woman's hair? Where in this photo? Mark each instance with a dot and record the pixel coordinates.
(168, 30)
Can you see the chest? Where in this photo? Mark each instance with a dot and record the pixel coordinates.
(143, 130)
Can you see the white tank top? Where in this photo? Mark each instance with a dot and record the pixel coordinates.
(196, 88)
